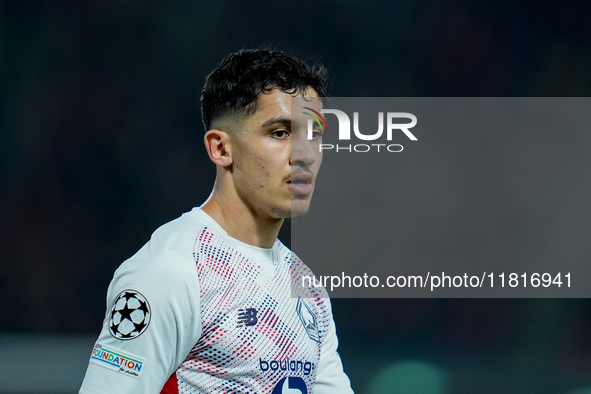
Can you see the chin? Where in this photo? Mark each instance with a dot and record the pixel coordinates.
(293, 209)
(299, 208)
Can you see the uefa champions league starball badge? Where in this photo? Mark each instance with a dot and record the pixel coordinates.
(130, 315)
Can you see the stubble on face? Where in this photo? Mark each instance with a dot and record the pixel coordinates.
(264, 162)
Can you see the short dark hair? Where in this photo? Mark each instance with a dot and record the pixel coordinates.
(233, 88)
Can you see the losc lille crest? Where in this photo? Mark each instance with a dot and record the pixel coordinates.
(308, 319)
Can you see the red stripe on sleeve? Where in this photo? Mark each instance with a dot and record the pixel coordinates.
(171, 386)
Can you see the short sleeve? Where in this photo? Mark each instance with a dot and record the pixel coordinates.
(151, 324)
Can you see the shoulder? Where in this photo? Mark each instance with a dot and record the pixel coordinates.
(165, 264)
(153, 312)
(178, 236)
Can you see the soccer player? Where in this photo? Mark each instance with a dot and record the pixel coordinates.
(206, 305)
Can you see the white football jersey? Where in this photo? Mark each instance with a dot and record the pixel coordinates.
(197, 311)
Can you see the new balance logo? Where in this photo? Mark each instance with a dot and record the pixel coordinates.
(247, 317)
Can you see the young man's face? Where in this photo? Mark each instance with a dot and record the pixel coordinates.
(274, 163)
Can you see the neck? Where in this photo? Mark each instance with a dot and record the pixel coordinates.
(239, 221)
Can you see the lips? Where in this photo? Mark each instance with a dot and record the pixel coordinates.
(301, 183)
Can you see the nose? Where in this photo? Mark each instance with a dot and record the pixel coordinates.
(302, 152)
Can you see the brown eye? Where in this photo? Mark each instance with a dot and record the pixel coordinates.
(279, 134)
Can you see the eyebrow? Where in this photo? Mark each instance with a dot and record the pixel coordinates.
(272, 121)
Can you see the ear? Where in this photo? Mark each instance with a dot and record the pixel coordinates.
(217, 144)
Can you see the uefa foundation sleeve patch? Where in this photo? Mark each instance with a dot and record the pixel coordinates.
(116, 361)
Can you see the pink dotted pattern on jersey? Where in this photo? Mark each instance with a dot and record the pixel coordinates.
(252, 333)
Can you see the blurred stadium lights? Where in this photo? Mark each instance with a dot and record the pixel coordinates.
(584, 390)
(409, 377)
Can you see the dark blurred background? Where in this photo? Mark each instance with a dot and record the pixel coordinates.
(101, 143)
